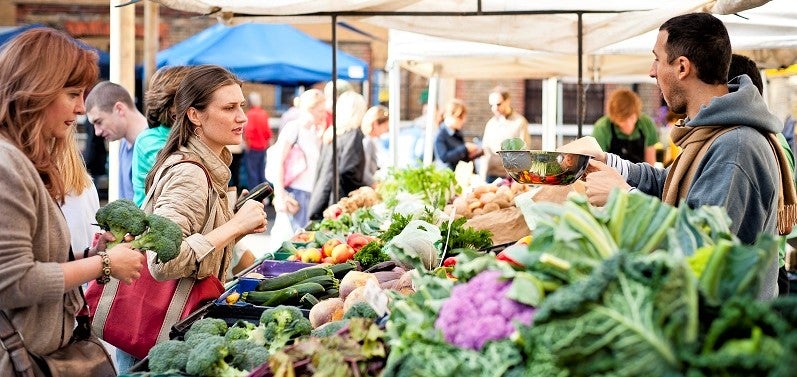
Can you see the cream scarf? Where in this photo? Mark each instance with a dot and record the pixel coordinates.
(695, 141)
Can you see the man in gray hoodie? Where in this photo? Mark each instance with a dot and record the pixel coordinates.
(728, 158)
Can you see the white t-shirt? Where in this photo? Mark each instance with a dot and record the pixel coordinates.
(79, 211)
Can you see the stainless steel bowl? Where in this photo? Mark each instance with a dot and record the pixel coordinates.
(544, 168)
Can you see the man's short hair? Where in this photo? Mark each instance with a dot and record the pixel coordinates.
(105, 94)
(742, 65)
(703, 39)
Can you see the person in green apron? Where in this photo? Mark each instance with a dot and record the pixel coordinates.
(625, 130)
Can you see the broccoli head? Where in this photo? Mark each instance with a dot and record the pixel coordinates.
(208, 359)
(247, 355)
(361, 310)
(170, 355)
(212, 326)
(163, 237)
(240, 330)
(121, 217)
(282, 324)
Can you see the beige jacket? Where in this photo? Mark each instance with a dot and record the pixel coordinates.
(34, 241)
(182, 195)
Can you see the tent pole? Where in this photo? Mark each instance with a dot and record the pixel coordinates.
(151, 33)
(122, 72)
(394, 109)
(431, 116)
(580, 97)
(336, 179)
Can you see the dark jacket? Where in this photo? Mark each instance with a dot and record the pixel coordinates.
(351, 164)
(450, 148)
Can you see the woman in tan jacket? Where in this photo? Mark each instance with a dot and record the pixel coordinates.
(43, 75)
(210, 115)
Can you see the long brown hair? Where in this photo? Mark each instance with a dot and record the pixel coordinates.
(195, 90)
(34, 69)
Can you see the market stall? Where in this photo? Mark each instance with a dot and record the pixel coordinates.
(402, 281)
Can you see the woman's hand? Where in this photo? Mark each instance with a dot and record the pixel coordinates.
(599, 182)
(251, 218)
(126, 263)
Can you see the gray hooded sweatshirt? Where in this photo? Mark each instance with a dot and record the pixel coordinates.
(738, 172)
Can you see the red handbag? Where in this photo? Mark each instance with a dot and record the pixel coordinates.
(135, 317)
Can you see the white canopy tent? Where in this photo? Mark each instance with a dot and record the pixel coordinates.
(767, 33)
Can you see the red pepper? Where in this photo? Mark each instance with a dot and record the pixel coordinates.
(504, 256)
(450, 262)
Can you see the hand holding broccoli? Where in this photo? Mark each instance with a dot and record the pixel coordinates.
(124, 220)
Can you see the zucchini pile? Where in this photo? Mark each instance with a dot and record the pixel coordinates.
(300, 288)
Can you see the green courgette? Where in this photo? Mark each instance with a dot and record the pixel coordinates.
(273, 298)
(341, 269)
(292, 278)
(327, 281)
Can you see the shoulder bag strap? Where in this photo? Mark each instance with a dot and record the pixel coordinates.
(12, 342)
(184, 285)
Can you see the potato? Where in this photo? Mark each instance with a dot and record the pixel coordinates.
(405, 281)
(354, 280)
(354, 297)
(487, 197)
(490, 207)
(325, 311)
(503, 202)
(503, 190)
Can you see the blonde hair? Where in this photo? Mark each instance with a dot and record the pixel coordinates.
(309, 99)
(35, 68)
(622, 104)
(376, 114)
(351, 107)
(456, 109)
(71, 166)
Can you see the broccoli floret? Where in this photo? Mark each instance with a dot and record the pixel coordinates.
(258, 335)
(361, 310)
(282, 324)
(247, 355)
(121, 217)
(196, 338)
(163, 237)
(329, 328)
(170, 355)
(240, 330)
(212, 326)
(207, 359)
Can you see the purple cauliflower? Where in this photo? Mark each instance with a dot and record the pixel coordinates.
(479, 311)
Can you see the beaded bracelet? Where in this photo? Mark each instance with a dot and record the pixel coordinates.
(106, 268)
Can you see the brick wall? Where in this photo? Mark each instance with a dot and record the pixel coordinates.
(475, 93)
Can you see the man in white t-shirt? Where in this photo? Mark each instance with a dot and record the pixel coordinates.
(506, 123)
